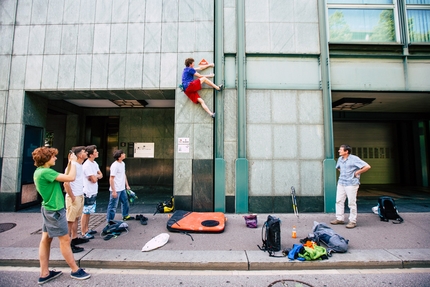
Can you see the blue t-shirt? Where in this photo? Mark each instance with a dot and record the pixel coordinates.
(187, 76)
(347, 169)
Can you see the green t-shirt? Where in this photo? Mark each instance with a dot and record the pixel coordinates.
(49, 188)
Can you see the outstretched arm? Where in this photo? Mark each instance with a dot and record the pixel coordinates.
(204, 67)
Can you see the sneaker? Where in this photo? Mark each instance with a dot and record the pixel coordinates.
(52, 275)
(80, 274)
(77, 240)
(336, 222)
(91, 231)
(213, 115)
(143, 220)
(128, 217)
(76, 249)
(88, 236)
(351, 225)
(221, 87)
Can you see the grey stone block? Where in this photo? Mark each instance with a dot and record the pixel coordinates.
(135, 38)
(53, 39)
(17, 73)
(36, 40)
(85, 39)
(66, 72)
(69, 39)
(51, 65)
(116, 71)
(133, 71)
(118, 40)
(55, 12)
(83, 71)
(33, 72)
(99, 78)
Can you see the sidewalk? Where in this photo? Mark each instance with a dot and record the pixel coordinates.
(372, 244)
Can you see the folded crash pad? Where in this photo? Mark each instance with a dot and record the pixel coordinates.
(190, 221)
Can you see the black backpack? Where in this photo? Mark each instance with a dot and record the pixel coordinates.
(114, 228)
(387, 209)
(271, 235)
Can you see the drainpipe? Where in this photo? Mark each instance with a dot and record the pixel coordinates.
(241, 161)
(219, 188)
(329, 164)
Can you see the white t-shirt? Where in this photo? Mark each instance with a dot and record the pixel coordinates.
(117, 170)
(90, 168)
(77, 185)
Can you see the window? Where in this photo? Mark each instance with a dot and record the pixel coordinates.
(362, 21)
(418, 17)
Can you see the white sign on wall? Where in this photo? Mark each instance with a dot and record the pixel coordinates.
(144, 150)
(183, 145)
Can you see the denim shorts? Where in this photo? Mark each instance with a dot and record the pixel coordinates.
(54, 222)
(89, 209)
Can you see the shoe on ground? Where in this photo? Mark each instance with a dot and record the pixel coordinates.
(143, 220)
(77, 240)
(336, 222)
(88, 236)
(76, 249)
(213, 115)
(128, 217)
(80, 274)
(91, 231)
(52, 275)
(351, 225)
(221, 87)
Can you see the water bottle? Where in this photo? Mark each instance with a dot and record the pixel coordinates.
(294, 232)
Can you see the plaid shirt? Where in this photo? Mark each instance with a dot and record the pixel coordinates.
(347, 169)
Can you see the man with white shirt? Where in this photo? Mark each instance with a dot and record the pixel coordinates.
(92, 174)
(75, 199)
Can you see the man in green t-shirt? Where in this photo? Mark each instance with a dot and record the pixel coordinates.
(53, 212)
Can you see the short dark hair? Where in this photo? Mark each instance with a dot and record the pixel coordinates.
(90, 149)
(189, 61)
(77, 149)
(347, 148)
(117, 154)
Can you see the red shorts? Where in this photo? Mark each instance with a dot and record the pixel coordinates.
(192, 89)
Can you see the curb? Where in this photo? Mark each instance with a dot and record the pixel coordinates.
(218, 260)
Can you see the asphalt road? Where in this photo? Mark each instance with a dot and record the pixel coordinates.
(19, 276)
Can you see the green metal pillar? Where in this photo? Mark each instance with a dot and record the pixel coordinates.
(219, 197)
(241, 161)
(329, 164)
(422, 132)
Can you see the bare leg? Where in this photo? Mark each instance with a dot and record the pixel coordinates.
(209, 82)
(66, 251)
(200, 100)
(75, 228)
(44, 252)
(85, 219)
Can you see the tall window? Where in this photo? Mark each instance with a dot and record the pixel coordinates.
(362, 21)
(418, 15)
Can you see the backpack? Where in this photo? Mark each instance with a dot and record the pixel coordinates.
(113, 229)
(251, 220)
(166, 206)
(333, 241)
(271, 235)
(387, 209)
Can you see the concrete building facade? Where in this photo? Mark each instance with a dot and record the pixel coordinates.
(106, 72)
